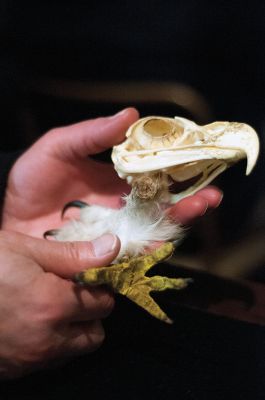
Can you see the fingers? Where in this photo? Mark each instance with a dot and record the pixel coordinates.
(66, 258)
(46, 316)
(75, 339)
(90, 137)
(85, 337)
(192, 207)
(70, 302)
(212, 195)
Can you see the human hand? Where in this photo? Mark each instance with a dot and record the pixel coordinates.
(44, 315)
(56, 170)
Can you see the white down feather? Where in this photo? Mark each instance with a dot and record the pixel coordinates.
(137, 224)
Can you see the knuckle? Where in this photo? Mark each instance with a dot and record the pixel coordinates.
(49, 312)
(71, 250)
(41, 356)
(49, 305)
(79, 252)
(54, 313)
(90, 336)
(38, 353)
(52, 135)
(98, 342)
(96, 337)
(54, 132)
(107, 305)
(37, 348)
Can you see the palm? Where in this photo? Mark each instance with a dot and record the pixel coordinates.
(34, 201)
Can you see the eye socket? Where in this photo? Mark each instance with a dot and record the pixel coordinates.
(158, 128)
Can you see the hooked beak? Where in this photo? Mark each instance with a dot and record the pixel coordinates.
(243, 138)
(228, 144)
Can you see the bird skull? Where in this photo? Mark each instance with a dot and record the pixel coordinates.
(157, 148)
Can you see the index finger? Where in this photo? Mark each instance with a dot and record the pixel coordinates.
(92, 136)
(192, 207)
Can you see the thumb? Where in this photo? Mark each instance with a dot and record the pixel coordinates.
(67, 258)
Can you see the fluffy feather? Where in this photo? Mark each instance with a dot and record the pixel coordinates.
(137, 224)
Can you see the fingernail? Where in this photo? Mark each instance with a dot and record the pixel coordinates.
(120, 113)
(104, 244)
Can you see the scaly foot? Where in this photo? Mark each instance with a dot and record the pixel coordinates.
(128, 278)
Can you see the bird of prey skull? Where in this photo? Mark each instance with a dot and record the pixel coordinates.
(157, 153)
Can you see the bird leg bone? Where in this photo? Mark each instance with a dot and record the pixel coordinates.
(128, 278)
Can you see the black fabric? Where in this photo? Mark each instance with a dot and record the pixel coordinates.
(199, 357)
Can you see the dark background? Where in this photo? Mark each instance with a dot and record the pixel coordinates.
(214, 47)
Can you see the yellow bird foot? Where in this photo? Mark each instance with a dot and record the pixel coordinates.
(128, 278)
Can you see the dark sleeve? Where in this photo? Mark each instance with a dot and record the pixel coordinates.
(6, 162)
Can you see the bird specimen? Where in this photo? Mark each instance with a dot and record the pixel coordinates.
(157, 153)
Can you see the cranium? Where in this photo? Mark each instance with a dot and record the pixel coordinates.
(158, 148)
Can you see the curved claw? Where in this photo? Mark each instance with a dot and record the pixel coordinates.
(74, 203)
(51, 232)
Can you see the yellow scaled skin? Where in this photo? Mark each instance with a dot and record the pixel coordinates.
(128, 278)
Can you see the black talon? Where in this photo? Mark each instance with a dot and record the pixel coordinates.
(79, 278)
(51, 232)
(74, 203)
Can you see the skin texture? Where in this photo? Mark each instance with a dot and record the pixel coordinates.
(48, 316)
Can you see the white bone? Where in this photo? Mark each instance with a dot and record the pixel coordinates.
(157, 148)
(181, 149)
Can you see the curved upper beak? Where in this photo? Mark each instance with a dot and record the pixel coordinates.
(242, 138)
